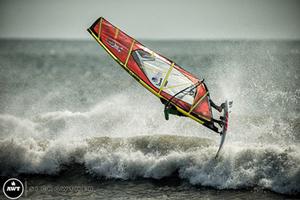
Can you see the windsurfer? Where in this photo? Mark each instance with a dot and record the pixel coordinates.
(171, 109)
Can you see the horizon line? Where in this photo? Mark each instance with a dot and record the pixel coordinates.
(154, 39)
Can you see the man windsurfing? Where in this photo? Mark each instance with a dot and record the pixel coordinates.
(181, 92)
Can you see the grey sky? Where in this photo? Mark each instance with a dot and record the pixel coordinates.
(153, 19)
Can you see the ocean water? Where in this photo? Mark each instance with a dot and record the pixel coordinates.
(74, 124)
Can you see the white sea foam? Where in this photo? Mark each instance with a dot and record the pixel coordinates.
(240, 166)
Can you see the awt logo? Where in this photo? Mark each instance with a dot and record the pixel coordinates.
(13, 188)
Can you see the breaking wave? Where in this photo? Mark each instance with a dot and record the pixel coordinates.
(158, 156)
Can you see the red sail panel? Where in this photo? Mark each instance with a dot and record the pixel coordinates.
(118, 43)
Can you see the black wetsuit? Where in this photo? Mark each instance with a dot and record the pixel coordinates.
(171, 109)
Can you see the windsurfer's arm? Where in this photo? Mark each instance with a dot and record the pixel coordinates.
(218, 108)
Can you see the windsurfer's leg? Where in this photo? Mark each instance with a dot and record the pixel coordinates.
(220, 122)
(218, 108)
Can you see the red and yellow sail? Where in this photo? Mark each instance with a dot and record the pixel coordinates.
(161, 76)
